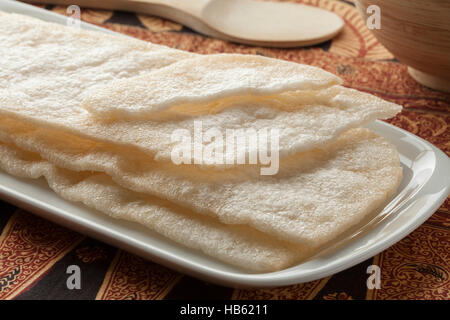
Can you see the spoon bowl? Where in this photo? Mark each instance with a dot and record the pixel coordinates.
(276, 24)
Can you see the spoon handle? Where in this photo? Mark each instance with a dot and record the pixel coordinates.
(169, 9)
(185, 12)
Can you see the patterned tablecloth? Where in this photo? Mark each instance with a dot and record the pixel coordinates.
(35, 253)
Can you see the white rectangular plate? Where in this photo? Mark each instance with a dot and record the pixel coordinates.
(424, 187)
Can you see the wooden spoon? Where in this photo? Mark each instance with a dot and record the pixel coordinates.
(261, 23)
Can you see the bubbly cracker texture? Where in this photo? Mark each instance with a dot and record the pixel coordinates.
(237, 245)
(204, 79)
(315, 196)
(47, 70)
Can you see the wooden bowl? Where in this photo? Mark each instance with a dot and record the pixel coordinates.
(417, 32)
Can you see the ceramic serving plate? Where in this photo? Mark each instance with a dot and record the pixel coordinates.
(425, 186)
